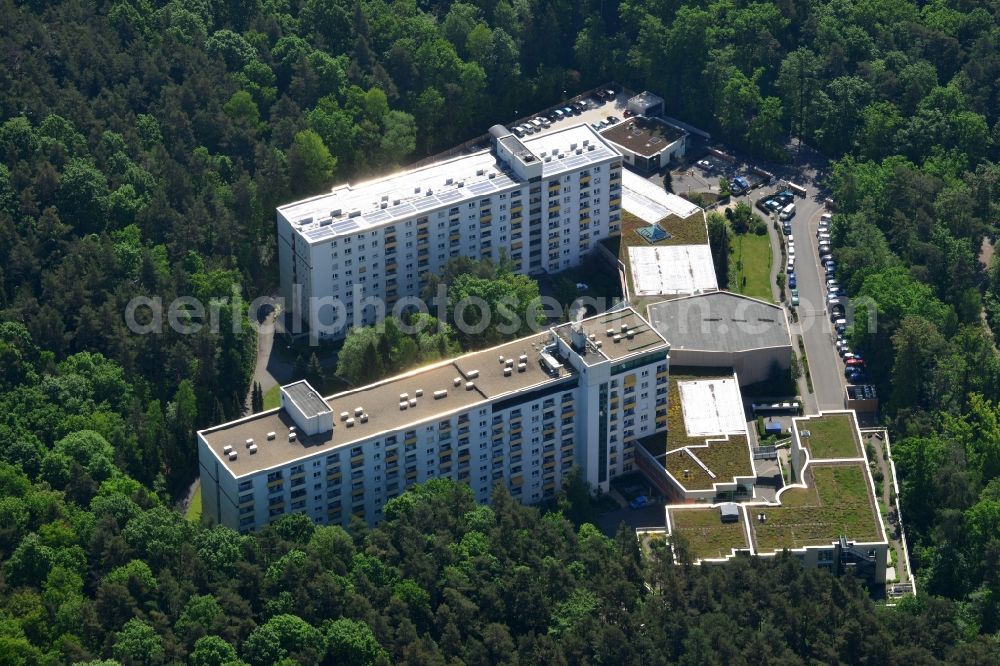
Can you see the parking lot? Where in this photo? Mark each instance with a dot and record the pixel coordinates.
(597, 111)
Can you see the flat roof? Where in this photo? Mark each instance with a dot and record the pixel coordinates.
(831, 435)
(672, 269)
(644, 337)
(380, 402)
(643, 136)
(650, 202)
(308, 399)
(720, 321)
(712, 407)
(707, 536)
(838, 500)
(425, 189)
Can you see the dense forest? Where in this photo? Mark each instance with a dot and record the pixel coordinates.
(143, 148)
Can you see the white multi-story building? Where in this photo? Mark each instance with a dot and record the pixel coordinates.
(523, 414)
(349, 256)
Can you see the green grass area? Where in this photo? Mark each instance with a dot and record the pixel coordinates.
(831, 436)
(835, 503)
(194, 509)
(706, 534)
(725, 458)
(272, 398)
(750, 265)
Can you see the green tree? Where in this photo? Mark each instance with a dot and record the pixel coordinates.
(352, 643)
(310, 164)
(138, 643)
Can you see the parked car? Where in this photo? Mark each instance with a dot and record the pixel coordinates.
(628, 113)
(831, 269)
(855, 362)
(792, 282)
(638, 502)
(567, 111)
(825, 217)
(794, 300)
(840, 325)
(786, 228)
(580, 106)
(516, 131)
(544, 121)
(614, 120)
(704, 165)
(597, 126)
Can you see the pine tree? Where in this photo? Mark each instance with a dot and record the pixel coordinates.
(314, 371)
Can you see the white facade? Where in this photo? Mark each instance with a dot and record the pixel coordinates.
(543, 203)
(525, 428)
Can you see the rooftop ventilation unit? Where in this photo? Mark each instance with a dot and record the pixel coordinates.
(291, 437)
(507, 372)
(350, 423)
(384, 204)
(325, 223)
(249, 441)
(493, 174)
(271, 435)
(440, 394)
(354, 213)
(460, 183)
(336, 212)
(473, 374)
(358, 411)
(403, 405)
(630, 333)
(419, 393)
(404, 396)
(572, 146)
(593, 336)
(510, 363)
(501, 359)
(226, 449)
(457, 381)
(395, 202)
(521, 367)
(343, 416)
(233, 455)
(413, 402)
(548, 159)
(617, 338)
(579, 151)
(598, 344)
(470, 385)
(523, 358)
(610, 332)
(624, 327)
(449, 181)
(591, 147)
(480, 172)
(253, 449)
(291, 428)
(416, 190)
(586, 142)
(364, 418)
(385, 197)
(428, 192)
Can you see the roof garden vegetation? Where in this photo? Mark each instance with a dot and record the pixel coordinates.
(830, 436)
(836, 503)
(706, 535)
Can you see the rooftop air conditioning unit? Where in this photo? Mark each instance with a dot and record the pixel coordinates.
(384, 204)
(233, 455)
(416, 190)
(473, 374)
(624, 327)
(507, 372)
(403, 405)
(385, 197)
(440, 394)
(610, 332)
(335, 212)
(291, 437)
(470, 385)
(343, 416)
(630, 334)
(404, 396)
(419, 393)
(249, 442)
(395, 202)
(364, 418)
(226, 449)
(253, 449)
(457, 381)
(413, 402)
(617, 338)
(501, 359)
(523, 358)
(354, 213)
(358, 411)
(271, 435)
(350, 423)
(492, 175)
(521, 367)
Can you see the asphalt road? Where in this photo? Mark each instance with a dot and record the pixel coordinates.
(825, 365)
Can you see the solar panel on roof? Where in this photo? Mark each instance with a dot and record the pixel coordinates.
(481, 188)
(344, 226)
(402, 210)
(377, 216)
(449, 196)
(319, 234)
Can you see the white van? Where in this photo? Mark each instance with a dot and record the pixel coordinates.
(788, 212)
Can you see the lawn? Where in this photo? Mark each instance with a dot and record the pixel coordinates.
(835, 504)
(706, 534)
(194, 509)
(831, 436)
(272, 398)
(750, 265)
(726, 458)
